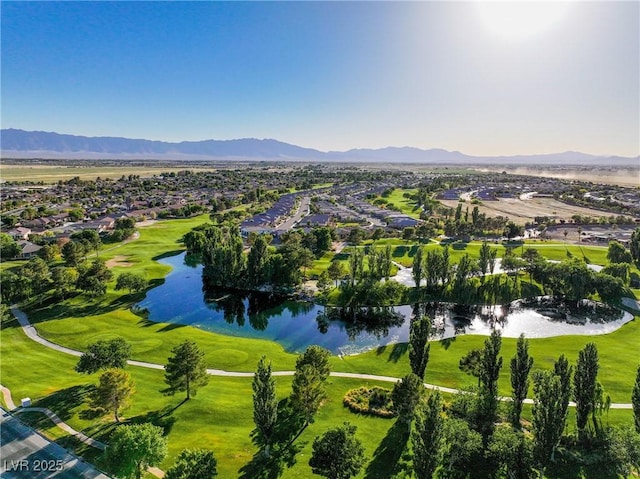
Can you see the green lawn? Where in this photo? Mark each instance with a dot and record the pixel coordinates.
(405, 205)
(220, 416)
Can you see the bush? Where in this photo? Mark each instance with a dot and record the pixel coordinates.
(374, 401)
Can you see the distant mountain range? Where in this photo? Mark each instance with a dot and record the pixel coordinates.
(38, 144)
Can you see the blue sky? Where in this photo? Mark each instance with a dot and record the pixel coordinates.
(485, 79)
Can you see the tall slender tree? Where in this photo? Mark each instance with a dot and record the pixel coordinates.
(405, 397)
(317, 357)
(417, 270)
(564, 371)
(265, 404)
(584, 386)
(490, 365)
(548, 417)
(419, 346)
(427, 436)
(307, 392)
(635, 401)
(521, 365)
(186, 369)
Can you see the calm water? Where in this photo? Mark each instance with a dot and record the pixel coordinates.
(295, 324)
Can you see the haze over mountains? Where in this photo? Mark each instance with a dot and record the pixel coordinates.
(16, 143)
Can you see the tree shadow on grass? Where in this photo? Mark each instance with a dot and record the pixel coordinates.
(447, 342)
(386, 458)
(65, 401)
(284, 446)
(168, 254)
(398, 350)
(162, 417)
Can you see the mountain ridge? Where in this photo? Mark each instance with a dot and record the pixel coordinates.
(16, 143)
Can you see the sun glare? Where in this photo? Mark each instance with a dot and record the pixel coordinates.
(520, 19)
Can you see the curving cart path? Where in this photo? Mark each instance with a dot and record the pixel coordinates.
(8, 400)
(32, 333)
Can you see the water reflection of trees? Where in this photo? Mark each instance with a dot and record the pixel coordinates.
(376, 320)
(258, 308)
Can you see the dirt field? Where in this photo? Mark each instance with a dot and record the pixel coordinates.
(604, 176)
(523, 211)
(52, 174)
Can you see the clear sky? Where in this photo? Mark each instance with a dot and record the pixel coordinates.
(481, 78)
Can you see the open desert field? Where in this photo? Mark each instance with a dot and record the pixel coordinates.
(523, 211)
(601, 175)
(53, 173)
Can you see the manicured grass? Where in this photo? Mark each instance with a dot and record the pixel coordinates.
(405, 205)
(219, 417)
(153, 342)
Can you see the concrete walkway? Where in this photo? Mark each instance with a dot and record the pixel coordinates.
(8, 399)
(31, 332)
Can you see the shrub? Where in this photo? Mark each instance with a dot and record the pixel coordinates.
(374, 401)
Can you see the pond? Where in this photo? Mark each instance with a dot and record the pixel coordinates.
(297, 324)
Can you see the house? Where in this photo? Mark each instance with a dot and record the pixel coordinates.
(28, 249)
(20, 233)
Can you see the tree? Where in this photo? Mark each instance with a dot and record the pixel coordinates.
(104, 354)
(324, 282)
(93, 278)
(336, 271)
(307, 392)
(409, 233)
(37, 273)
(48, 252)
(635, 401)
(113, 391)
(186, 369)
(132, 449)
(427, 436)
(512, 230)
(521, 365)
(634, 246)
(338, 453)
(265, 404)
(513, 452)
(73, 252)
(564, 371)
(483, 260)
(356, 265)
(549, 417)
(490, 365)
(471, 363)
(258, 262)
(193, 464)
(317, 357)
(617, 253)
(405, 396)
(418, 267)
(462, 448)
(8, 247)
(584, 385)
(131, 281)
(419, 346)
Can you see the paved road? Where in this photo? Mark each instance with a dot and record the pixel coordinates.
(303, 210)
(31, 332)
(27, 455)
